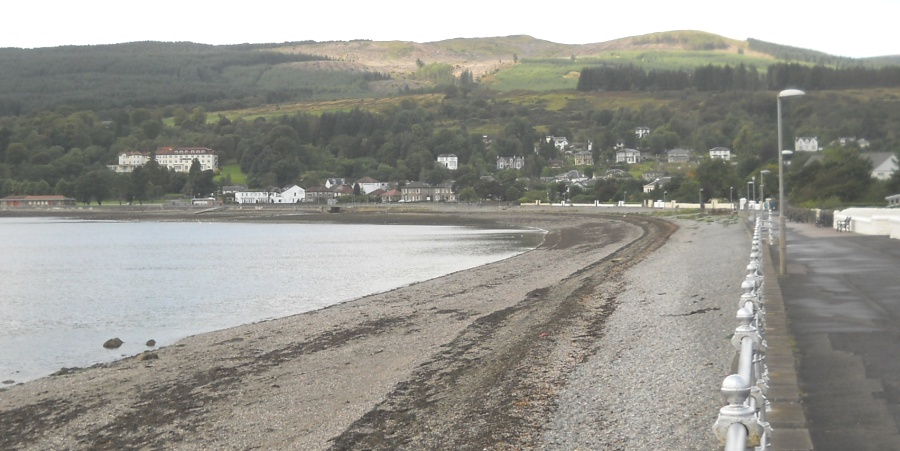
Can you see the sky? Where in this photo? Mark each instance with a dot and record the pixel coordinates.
(859, 29)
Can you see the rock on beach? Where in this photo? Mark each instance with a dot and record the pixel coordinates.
(113, 343)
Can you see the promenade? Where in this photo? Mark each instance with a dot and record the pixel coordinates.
(842, 300)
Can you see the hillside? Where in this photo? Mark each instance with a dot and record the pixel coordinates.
(154, 74)
(483, 56)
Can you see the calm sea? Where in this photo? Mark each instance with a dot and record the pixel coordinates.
(67, 286)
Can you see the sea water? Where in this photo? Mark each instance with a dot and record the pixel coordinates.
(66, 286)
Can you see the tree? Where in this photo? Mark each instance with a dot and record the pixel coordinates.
(715, 176)
(139, 184)
(468, 194)
(16, 153)
(95, 185)
(842, 174)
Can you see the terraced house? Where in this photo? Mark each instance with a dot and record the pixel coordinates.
(423, 192)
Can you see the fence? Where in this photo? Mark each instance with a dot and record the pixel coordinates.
(742, 423)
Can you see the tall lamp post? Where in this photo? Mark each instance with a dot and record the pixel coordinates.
(762, 185)
(731, 196)
(782, 234)
(753, 185)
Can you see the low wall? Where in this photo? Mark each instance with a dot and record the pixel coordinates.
(871, 221)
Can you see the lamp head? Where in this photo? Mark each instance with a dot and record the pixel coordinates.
(791, 93)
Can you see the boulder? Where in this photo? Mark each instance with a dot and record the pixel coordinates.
(113, 343)
(151, 343)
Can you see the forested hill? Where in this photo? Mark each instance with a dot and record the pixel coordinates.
(141, 74)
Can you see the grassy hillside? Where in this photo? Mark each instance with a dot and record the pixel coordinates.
(154, 74)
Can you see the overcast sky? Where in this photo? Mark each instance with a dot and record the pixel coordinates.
(860, 28)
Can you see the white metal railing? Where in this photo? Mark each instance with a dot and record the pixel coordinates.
(742, 423)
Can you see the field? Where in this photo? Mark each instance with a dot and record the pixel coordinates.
(234, 171)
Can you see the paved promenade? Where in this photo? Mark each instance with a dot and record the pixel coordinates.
(842, 298)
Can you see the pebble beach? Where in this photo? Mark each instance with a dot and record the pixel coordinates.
(613, 334)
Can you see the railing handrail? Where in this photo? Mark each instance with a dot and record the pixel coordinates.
(742, 423)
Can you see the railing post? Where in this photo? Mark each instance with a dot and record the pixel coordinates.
(736, 426)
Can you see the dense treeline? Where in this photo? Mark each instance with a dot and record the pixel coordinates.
(791, 54)
(65, 151)
(704, 78)
(819, 77)
(739, 78)
(690, 40)
(153, 74)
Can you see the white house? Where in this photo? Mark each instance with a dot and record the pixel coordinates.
(449, 160)
(367, 185)
(130, 160)
(252, 197)
(806, 144)
(629, 156)
(180, 159)
(884, 164)
(641, 132)
(560, 142)
(720, 152)
(290, 195)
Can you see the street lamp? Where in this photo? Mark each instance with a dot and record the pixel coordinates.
(749, 190)
(782, 246)
(664, 198)
(701, 198)
(731, 196)
(762, 185)
(624, 198)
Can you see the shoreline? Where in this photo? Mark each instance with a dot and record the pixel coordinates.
(53, 336)
(474, 359)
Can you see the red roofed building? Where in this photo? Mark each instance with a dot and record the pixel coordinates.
(36, 201)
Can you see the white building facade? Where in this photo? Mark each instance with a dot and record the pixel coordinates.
(290, 195)
(130, 160)
(806, 144)
(449, 160)
(180, 159)
(721, 153)
(629, 156)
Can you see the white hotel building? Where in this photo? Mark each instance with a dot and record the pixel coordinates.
(175, 159)
(180, 159)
